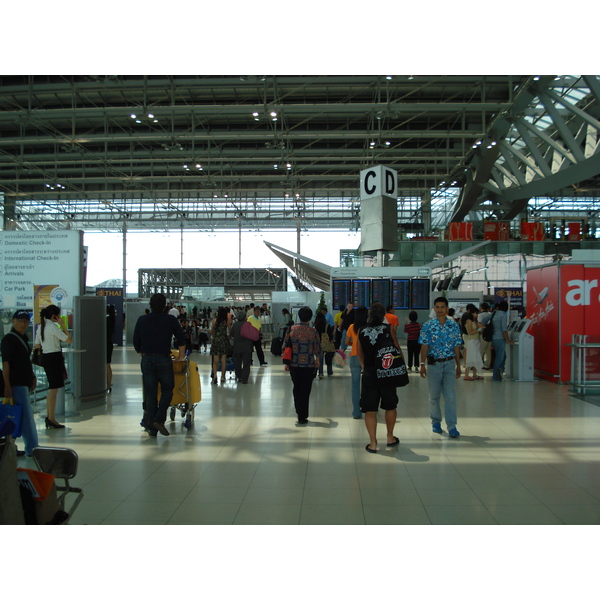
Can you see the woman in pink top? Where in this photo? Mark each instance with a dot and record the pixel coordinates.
(360, 320)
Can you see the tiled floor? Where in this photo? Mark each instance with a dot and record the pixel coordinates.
(528, 454)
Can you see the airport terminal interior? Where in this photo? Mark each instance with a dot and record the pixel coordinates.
(527, 455)
(467, 182)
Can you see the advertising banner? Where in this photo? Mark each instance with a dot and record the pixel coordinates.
(512, 295)
(543, 310)
(460, 232)
(574, 234)
(580, 294)
(532, 232)
(562, 300)
(29, 258)
(496, 230)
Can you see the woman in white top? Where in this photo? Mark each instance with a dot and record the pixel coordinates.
(49, 335)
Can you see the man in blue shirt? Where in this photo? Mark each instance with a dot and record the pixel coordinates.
(152, 339)
(440, 341)
(330, 320)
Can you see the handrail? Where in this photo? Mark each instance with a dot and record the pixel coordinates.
(580, 364)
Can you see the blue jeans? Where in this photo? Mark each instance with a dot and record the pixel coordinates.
(499, 358)
(28, 428)
(157, 369)
(343, 344)
(441, 378)
(355, 370)
(328, 360)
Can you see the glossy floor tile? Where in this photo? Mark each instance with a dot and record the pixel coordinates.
(528, 454)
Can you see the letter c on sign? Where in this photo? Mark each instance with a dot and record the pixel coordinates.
(367, 189)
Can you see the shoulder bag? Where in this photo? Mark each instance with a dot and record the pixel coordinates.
(249, 332)
(11, 412)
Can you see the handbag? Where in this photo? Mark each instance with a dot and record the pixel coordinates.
(13, 412)
(326, 343)
(249, 332)
(37, 357)
(287, 355)
(339, 359)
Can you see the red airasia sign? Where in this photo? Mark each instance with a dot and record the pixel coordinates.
(562, 300)
(459, 231)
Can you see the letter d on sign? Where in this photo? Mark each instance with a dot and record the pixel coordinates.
(390, 183)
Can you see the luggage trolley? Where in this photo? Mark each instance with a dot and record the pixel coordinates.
(186, 393)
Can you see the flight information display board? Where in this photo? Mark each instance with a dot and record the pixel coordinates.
(400, 294)
(361, 292)
(380, 291)
(341, 292)
(419, 294)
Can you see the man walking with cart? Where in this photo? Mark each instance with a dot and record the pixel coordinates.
(152, 339)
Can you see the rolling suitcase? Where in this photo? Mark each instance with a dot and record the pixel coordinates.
(277, 346)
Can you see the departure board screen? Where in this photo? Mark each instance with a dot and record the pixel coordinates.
(419, 294)
(360, 292)
(380, 291)
(341, 293)
(400, 293)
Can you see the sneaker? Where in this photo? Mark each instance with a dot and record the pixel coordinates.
(453, 433)
(436, 428)
(416, 369)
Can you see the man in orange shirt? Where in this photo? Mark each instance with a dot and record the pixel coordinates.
(391, 318)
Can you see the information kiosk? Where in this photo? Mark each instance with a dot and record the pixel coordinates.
(519, 356)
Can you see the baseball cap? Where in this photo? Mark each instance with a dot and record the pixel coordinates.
(22, 314)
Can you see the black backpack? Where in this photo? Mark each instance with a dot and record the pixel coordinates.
(390, 367)
(488, 331)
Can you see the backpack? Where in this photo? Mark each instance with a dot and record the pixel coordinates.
(390, 367)
(488, 331)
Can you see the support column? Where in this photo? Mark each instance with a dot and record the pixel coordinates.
(124, 260)
(426, 212)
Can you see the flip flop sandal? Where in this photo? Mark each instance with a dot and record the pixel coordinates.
(469, 379)
(370, 450)
(479, 377)
(394, 443)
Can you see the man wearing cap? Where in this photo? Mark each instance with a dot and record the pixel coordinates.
(19, 378)
(152, 339)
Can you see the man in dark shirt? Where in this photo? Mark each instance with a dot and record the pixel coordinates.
(152, 339)
(19, 378)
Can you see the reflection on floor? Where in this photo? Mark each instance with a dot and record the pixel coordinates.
(528, 454)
